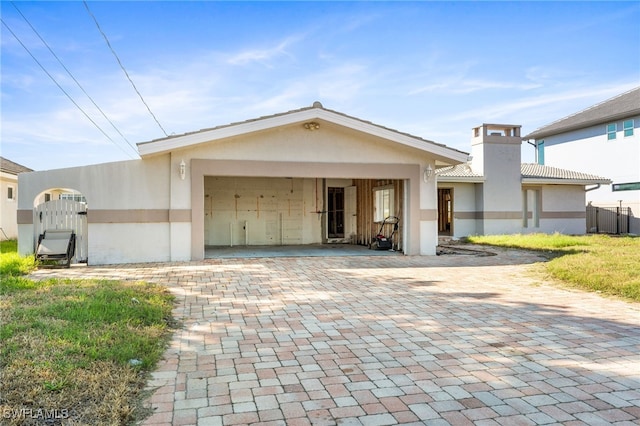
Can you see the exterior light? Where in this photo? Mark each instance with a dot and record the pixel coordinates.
(428, 172)
(183, 170)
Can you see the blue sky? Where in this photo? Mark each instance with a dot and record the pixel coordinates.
(432, 69)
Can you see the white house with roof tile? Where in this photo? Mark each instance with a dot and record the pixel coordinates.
(493, 193)
(604, 139)
(308, 176)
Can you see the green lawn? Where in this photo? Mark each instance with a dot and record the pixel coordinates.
(602, 263)
(68, 345)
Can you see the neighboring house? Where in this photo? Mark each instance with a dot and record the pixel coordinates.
(308, 176)
(9, 197)
(603, 139)
(493, 193)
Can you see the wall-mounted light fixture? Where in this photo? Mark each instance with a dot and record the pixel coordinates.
(428, 172)
(183, 170)
(312, 125)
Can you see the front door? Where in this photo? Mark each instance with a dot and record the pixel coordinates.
(445, 210)
(335, 212)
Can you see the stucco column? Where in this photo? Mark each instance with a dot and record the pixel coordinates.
(428, 210)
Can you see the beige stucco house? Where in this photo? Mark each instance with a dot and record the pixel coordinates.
(308, 176)
(9, 197)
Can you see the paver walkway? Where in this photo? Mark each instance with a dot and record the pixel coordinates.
(388, 340)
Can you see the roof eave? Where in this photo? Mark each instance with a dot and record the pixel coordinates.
(557, 181)
(542, 133)
(460, 179)
(161, 146)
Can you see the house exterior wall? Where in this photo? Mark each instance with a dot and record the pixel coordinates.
(128, 208)
(464, 217)
(8, 206)
(590, 151)
(147, 210)
(560, 209)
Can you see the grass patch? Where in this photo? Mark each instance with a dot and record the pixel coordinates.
(602, 263)
(13, 264)
(67, 346)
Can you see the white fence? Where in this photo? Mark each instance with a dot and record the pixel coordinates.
(64, 214)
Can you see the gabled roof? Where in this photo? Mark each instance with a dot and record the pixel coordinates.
(315, 112)
(530, 173)
(8, 166)
(616, 108)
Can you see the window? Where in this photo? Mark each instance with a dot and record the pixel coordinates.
(47, 197)
(73, 197)
(631, 186)
(611, 131)
(540, 152)
(383, 203)
(10, 193)
(627, 128)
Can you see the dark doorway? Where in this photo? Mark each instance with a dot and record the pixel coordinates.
(335, 212)
(445, 210)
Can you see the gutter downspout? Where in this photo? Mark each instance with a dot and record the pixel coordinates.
(593, 189)
(535, 148)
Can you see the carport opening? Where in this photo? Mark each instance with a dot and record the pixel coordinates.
(298, 212)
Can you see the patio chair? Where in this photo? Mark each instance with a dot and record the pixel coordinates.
(58, 245)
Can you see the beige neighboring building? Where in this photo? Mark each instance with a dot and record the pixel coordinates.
(9, 197)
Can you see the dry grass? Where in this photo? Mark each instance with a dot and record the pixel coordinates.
(66, 347)
(601, 263)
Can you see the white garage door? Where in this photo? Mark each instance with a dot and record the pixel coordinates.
(253, 211)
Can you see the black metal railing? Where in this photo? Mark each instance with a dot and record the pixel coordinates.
(608, 220)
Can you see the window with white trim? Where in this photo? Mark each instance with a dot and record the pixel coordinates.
(611, 131)
(383, 203)
(11, 193)
(627, 128)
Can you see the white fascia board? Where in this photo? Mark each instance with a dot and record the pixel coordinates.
(184, 141)
(450, 179)
(423, 145)
(542, 181)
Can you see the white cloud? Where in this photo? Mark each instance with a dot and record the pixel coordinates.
(265, 55)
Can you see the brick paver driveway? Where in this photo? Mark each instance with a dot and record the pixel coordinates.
(388, 340)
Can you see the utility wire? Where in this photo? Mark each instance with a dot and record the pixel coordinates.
(122, 66)
(73, 78)
(60, 87)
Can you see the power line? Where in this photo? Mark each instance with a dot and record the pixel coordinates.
(122, 66)
(73, 78)
(60, 87)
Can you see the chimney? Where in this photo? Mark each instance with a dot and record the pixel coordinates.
(496, 156)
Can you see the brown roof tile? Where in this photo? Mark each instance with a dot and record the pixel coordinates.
(9, 166)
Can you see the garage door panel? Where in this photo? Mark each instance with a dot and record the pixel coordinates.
(272, 208)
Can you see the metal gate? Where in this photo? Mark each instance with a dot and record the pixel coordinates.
(63, 214)
(608, 220)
